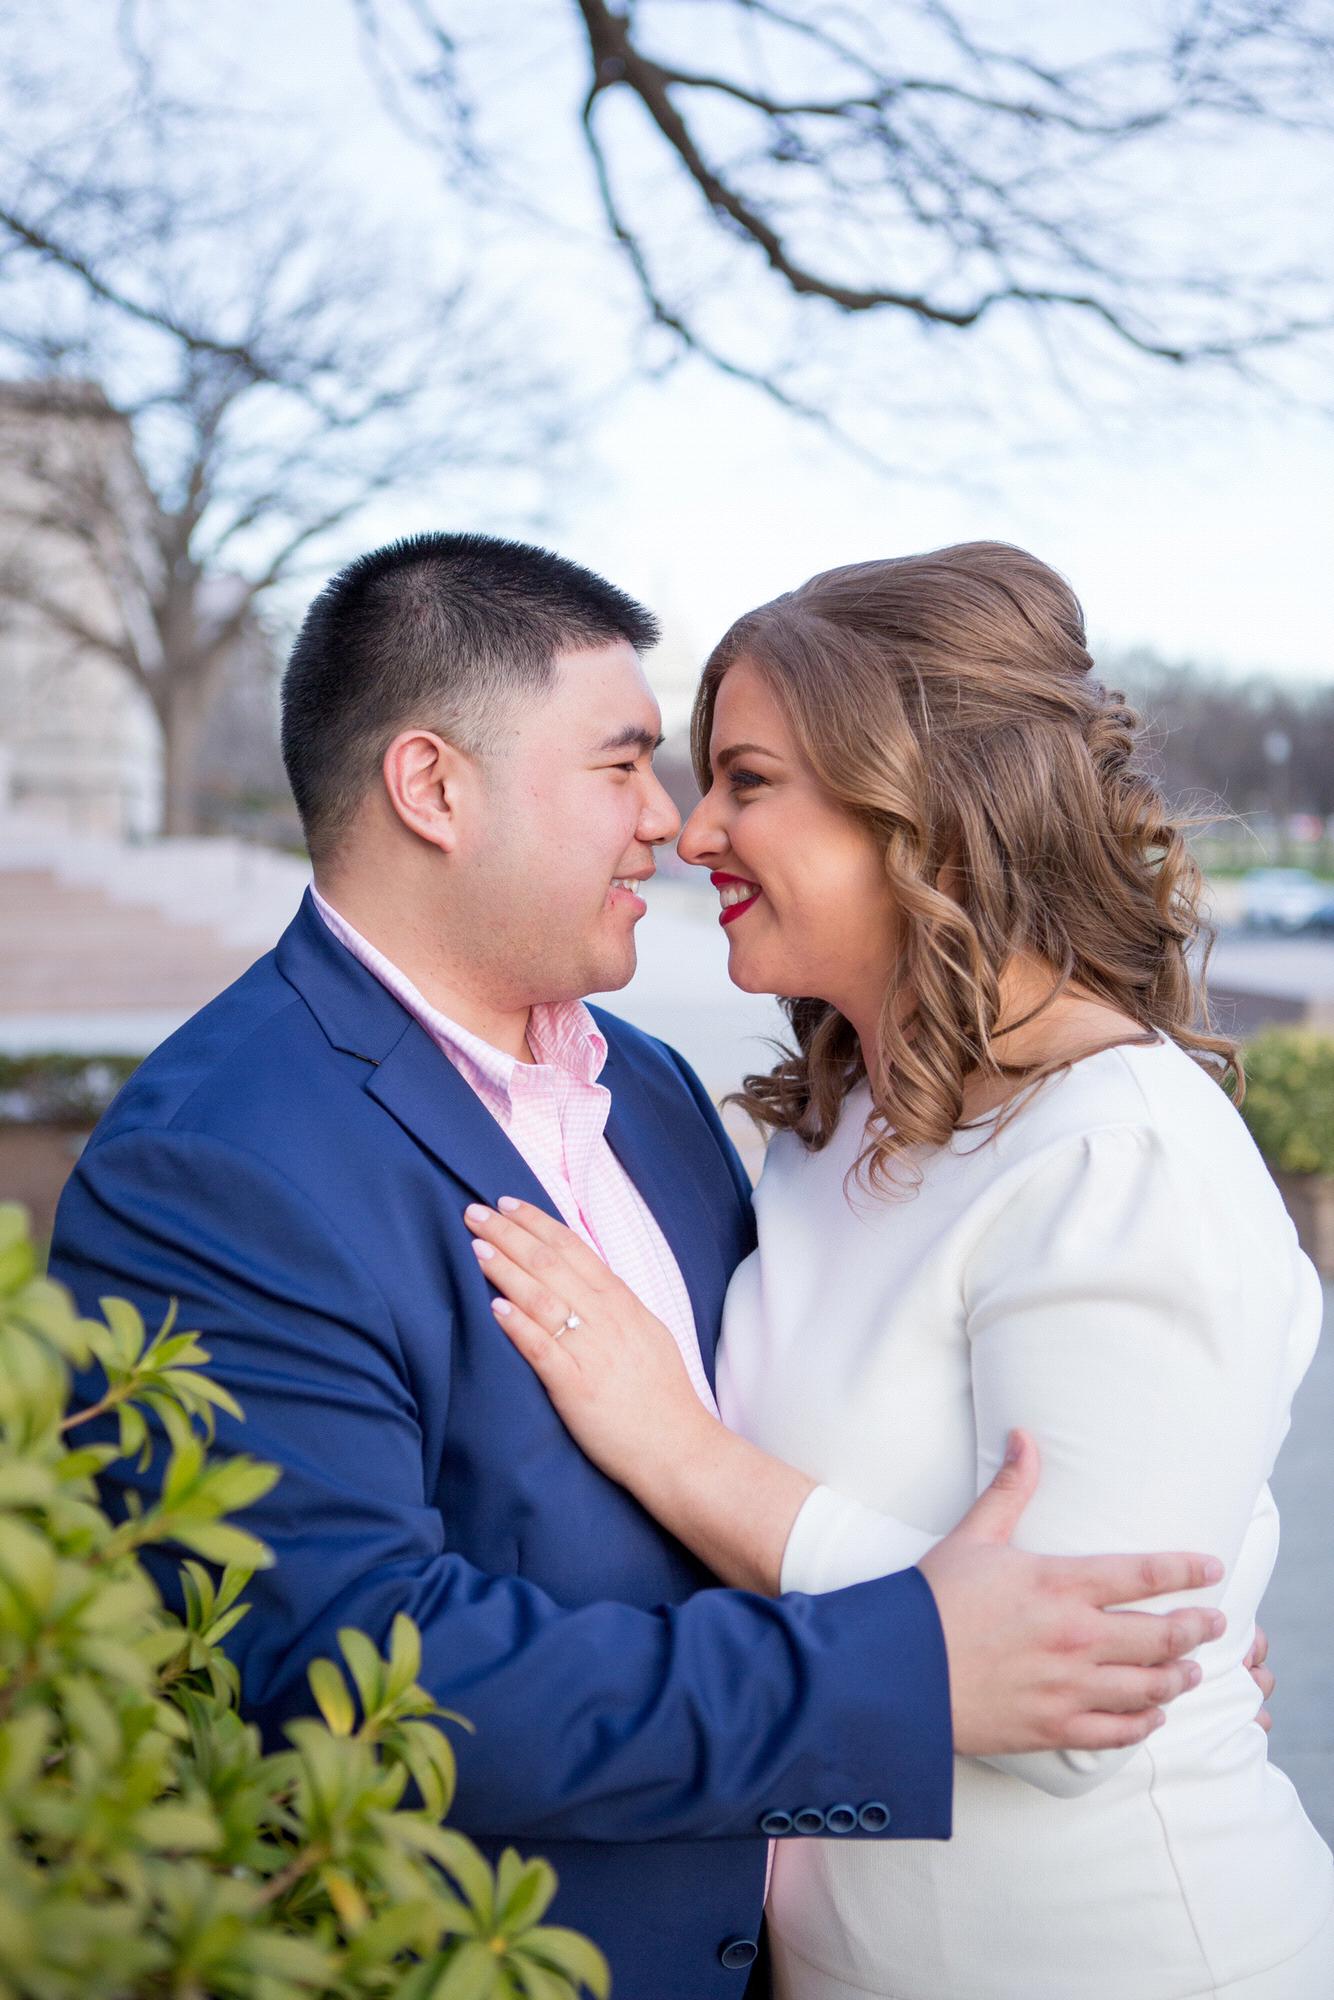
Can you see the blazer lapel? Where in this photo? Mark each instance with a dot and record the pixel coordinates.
(420, 1087)
(406, 1073)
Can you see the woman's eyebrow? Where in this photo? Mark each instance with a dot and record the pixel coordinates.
(635, 736)
(735, 750)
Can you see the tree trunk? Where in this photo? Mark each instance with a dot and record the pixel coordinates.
(182, 713)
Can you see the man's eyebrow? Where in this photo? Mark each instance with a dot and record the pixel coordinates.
(735, 750)
(633, 736)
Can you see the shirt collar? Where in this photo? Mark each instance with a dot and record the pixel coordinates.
(562, 1034)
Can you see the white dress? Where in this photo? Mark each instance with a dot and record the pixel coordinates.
(1114, 1271)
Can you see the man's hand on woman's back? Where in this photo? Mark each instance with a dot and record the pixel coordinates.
(1040, 1658)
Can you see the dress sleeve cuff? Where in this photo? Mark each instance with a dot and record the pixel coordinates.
(836, 1540)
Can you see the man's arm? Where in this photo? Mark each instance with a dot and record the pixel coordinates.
(600, 1723)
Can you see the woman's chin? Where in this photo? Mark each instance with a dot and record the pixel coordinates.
(748, 978)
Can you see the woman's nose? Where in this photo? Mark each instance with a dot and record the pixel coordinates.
(702, 841)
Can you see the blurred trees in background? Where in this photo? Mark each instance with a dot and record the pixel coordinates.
(996, 207)
(278, 363)
(1263, 746)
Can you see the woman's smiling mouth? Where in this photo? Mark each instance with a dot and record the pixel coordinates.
(737, 895)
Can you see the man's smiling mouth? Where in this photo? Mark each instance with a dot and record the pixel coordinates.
(631, 885)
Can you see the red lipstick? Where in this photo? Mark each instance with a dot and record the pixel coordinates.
(735, 910)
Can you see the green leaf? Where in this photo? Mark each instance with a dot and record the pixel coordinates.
(473, 1973)
(295, 1958)
(457, 1856)
(189, 1383)
(27, 1562)
(133, 1430)
(24, 1483)
(183, 1470)
(233, 1582)
(347, 1899)
(566, 1951)
(536, 1981)
(528, 1901)
(218, 1542)
(234, 1483)
(429, 1755)
(18, 1257)
(179, 1829)
(127, 1330)
(391, 1932)
(331, 1696)
(366, 1666)
(405, 1655)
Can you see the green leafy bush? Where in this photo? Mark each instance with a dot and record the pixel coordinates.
(148, 1847)
(1289, 1102)
(59, 1088)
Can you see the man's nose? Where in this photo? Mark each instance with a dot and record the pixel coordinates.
(659, 819)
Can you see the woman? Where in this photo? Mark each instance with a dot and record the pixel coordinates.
(1004, 1189)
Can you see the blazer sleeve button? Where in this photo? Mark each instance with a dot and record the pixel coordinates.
(809, 1820)
(776, 1824)
(840, 1819)
(737, 1953)
(873, 1817)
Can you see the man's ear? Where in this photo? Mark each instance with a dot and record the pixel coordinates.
(425, 779)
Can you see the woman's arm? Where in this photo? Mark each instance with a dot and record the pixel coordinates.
(1045, 1629)
(620, 1386)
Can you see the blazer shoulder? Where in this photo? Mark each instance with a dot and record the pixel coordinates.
(231, 1045)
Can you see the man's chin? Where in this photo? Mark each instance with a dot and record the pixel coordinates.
(614, 971)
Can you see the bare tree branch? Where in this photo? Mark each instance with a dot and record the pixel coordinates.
(891, 160)
(28, 234)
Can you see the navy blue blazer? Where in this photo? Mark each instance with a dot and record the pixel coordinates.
(293, 1166)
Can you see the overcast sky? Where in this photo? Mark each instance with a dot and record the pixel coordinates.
(1201, 527)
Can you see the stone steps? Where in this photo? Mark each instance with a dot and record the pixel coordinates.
(70, 949)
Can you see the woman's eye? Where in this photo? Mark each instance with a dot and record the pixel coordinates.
(742, 780)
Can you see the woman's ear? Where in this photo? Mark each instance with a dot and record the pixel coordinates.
(425, 779)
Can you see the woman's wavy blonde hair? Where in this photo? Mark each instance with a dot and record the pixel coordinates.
(948, 701)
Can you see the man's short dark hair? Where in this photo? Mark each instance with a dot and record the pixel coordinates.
(440, 631)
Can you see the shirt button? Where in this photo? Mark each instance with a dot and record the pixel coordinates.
(840, 1819)
(737, 1953)
(873, 1817)
(777, 1823)
(809, 1820)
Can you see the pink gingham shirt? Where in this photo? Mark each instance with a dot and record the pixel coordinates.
(555, 1113)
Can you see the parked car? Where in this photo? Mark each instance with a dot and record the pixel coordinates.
(1286, 899)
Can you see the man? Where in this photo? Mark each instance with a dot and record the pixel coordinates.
(469, 737)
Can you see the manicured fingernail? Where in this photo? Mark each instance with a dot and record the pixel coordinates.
(501, 1308)
(1013, 1448)
(1193, 1674)
(508, 1203)
(1213, 1570)
(475, 1212)
(1157, 1723)
(1218, 1625)
(483, 1250)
